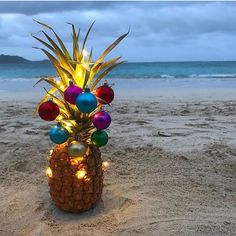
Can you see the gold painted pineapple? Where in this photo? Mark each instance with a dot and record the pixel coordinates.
(75, 102)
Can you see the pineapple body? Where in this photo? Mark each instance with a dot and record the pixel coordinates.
(70, 190)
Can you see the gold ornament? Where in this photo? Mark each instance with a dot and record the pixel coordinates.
(76, 149)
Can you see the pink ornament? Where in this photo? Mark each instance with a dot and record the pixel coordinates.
(72, 92)
(101, 120)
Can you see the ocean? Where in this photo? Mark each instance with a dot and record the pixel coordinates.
(145, 70)
(153, 76)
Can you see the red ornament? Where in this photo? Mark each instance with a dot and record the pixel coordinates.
(49, 110)
(105, 93)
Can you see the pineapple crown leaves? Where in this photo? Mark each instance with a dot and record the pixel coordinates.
(77, 67)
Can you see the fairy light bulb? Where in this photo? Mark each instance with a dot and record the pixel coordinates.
(80, 174)
(78, 159)
(85, 53)
(49, 172)
(105, 165)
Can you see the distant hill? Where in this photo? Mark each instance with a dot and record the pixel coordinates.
(7, 59)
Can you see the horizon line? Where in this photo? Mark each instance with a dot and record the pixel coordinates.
(184, 61)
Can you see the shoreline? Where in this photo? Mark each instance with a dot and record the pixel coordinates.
(136, 89)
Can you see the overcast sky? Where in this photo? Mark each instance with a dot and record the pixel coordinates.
(159, 31)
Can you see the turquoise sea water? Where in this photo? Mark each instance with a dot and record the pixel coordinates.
(136, 76)
(153, 70)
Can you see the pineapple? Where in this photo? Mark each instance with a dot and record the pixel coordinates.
(75, 182)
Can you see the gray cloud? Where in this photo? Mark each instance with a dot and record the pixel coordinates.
(31, 8)
(159, 31)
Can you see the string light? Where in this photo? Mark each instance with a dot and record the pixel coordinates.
(80, 174)
(79, 72)
(78, 159)
(50, 152)
(49, 172)
(105, 165)
(85, 53)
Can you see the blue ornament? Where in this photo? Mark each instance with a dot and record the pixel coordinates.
(58, 134)
(86, 101)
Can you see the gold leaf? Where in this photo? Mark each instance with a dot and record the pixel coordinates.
(104, 73)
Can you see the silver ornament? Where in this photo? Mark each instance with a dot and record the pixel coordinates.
(76, 149)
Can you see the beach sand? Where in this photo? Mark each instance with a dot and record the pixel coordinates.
(172, 171)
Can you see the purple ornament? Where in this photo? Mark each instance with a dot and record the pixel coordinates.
(72, 92)
(101, 120)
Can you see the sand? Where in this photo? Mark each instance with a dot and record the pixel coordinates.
(172, 171)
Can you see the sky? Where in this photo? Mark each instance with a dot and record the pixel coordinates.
(170, 31)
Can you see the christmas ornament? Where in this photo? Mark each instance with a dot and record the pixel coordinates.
(101, 120)
(75, 169)
(76, 149)
(72, 92)
(99, 138)
(58, 134)
(48, 110)
(105, 93)
(86, 101)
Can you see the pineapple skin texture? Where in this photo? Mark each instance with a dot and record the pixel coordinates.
(69, 192)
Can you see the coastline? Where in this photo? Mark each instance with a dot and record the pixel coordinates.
(20, 89)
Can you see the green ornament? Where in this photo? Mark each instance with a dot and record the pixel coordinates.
(99, 138)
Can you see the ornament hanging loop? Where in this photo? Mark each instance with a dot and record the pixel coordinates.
(87, 89)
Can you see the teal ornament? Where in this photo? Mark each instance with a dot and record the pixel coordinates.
(86, 102)
(58, 134)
